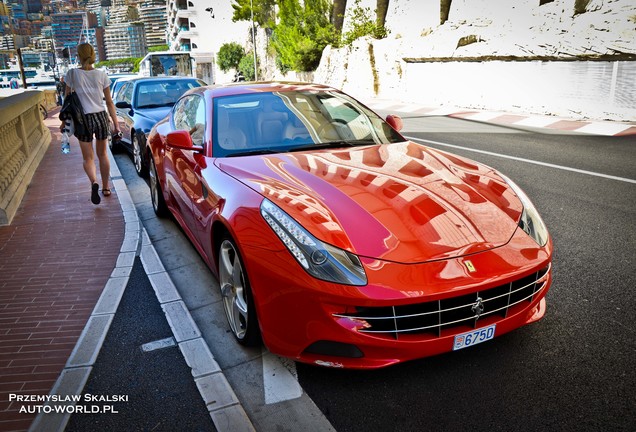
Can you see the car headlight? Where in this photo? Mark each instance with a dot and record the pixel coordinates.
(530, 220)
(319, 259)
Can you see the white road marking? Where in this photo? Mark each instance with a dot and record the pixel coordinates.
(280, 380)
(158, 344)
(530, 161)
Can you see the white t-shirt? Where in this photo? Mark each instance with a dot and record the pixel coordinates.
(89, 86)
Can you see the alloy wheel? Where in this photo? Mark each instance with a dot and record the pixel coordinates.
(137, 155)
(156, 196)
(233, 289)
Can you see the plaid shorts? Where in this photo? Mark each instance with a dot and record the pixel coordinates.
(97, 124)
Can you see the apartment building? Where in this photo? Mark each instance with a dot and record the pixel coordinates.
(153, 16)
(72, 28)
(124, 40)
(201, 29)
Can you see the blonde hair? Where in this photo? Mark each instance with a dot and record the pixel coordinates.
(86, 53)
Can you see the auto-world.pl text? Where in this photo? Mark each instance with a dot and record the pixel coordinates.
(68, 404)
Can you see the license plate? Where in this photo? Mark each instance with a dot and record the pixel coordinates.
(474, 337)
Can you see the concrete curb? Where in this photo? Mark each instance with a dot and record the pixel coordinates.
(223, 406)
(583, 126)
(78, 367)
(225, 409)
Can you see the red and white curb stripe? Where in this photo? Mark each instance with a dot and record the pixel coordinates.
(605, 128)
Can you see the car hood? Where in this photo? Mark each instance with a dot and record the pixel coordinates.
(153, 114)
(399, 202)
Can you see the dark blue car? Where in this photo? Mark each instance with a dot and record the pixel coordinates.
(142, 102)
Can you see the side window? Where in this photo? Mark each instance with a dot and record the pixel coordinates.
(197, 132)
(179, 117)
(125, 94)
(189, 114)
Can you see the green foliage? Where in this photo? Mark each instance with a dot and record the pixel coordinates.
(302, 33)
(129, 63)
(230, 55)
(246, 66)
(158, 48)
(362, 24)
(264, 12)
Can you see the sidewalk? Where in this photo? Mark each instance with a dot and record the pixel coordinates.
(65, 266)
(55, 259)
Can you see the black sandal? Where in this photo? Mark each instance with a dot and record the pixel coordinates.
(95, 199)
(106, 192)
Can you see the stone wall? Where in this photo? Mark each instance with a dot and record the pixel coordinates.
(23, 142)
(602, 90)
(517, 56)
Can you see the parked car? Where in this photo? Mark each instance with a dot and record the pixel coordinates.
(337, 241)
(140, 103)
(117, 81)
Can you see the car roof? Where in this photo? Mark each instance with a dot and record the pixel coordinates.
(164, 78)
(124, 78)
(118, 76)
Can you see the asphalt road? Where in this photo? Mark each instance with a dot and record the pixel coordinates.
(573, 370)
(156, 382)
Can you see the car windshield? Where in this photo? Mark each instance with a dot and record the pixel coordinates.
(260, 123)
(160, 93)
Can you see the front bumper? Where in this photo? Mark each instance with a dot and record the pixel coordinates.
(323, 323)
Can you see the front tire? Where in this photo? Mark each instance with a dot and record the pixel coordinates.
(237, 296)
(156, 195)
(138, 157)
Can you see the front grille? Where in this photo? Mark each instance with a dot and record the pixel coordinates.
(435, 316)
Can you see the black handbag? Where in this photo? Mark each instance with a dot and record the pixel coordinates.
(72, 109)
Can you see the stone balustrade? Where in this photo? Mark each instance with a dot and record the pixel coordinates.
(24, 140)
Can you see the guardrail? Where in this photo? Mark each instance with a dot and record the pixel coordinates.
(24, 140)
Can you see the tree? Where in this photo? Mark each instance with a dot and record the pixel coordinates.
(444, 10)
(158, 48)
(129, 63)
(246, 66)
(382, 7)
(302, 33)
(337, 15)
(230, 55)
(264, 12)
(363, 24)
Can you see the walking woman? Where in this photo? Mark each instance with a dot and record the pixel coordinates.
(93, 89)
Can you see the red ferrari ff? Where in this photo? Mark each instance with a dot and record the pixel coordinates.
(335, 240)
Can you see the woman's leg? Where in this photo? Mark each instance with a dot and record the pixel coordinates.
(89, 168)
(89, 160)
(101, 147)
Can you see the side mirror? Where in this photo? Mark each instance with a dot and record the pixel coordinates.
(181, 139)
(122, 104)
(395, 122)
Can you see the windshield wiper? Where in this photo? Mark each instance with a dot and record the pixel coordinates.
(151, 106)
(254, 152)
(333, 144)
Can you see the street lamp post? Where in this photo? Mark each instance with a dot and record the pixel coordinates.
(253, 40)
